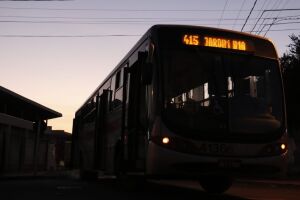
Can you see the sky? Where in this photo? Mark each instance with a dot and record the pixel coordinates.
(57, 52)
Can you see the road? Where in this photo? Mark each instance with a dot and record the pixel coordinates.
(266, 191)
(252, 189)
(67, 188)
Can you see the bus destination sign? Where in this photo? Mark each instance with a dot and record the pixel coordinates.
(217, 42)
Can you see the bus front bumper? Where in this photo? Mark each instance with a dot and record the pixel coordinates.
(163, 162)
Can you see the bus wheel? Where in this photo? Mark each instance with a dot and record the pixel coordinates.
(125, 181)
(216, 184)
(119, 165)
(84, 174)
(88, 175)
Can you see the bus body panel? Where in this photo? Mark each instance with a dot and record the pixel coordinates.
(165, 163)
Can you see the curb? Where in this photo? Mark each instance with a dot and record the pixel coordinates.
(270, 182)
(38, 175)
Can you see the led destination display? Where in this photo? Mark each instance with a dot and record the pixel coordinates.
(217, 42)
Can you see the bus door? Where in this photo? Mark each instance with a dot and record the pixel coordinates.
(100, 131)
(134, 125)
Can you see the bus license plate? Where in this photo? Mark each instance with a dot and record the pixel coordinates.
(228, 163)
(215, 148)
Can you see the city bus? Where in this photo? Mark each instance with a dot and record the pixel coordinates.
(187, 102)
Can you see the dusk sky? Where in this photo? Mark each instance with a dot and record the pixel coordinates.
(57, 52)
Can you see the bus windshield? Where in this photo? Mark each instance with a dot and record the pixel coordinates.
(218, 94)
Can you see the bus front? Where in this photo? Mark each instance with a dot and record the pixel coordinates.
(222, 111)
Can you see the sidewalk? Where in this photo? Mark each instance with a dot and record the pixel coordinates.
(37, 175)
(292, 179)
(275, 182)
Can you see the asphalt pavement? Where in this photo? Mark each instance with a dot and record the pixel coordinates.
(291, 180)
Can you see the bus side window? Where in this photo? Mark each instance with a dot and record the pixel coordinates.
(118, 80)
(118, 97)
(117, 83)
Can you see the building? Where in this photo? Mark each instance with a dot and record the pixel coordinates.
(23, 146)
(59, 149)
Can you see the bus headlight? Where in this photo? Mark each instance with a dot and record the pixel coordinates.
(274, 149)
(283, 146)
(172, 143)
(165, 140)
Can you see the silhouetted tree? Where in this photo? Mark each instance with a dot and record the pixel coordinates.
(290, 63)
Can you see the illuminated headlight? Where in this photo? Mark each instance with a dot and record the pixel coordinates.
(283, 146)
(165, 140)
(274, 149)
(175, 143)
(162, 140)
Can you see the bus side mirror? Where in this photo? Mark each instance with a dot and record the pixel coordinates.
(146, 68)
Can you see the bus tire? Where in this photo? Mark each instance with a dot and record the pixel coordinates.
(119, 166)
(215, 184)
(88, 175)
(84, 174)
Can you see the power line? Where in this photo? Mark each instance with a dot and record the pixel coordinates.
(249, 15)
(222, 12)
(275, 30)
(140, 18)
(284, 5)
(105, 35)
(107, 22)
(271, 10)
(262, 7)
(124, 10)
(34, 0)
(238, 15)
(275, 22)
(68, 36)
(129, 18)
(275, 6)
(134, 20)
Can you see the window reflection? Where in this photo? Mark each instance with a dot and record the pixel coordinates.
(206, 91)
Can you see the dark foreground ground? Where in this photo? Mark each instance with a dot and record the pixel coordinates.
(66, 187)
(55, 189)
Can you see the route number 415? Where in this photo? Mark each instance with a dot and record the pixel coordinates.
(191, 39)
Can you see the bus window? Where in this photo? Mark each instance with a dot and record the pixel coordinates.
(118, 97)
(215, 90)
(117, 83)
(118, 80)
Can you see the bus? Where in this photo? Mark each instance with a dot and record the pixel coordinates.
(187, 102)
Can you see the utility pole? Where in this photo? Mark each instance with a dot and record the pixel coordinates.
(36, 147)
